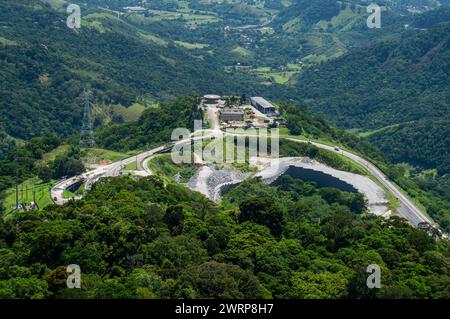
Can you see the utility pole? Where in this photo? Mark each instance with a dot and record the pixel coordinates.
(17, 183)
(35, 205)
(87, 129)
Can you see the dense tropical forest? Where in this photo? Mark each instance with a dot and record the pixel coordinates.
(143, 239)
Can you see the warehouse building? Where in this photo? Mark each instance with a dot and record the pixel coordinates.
(263, 105)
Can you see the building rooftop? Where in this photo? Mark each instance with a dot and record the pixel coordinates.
(262, 102)
(212, 97)
(233, 111)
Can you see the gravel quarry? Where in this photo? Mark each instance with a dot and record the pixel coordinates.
(209, 181)
(213, 182)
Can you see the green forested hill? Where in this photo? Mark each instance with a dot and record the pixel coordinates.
(400, 82)
(423, 143)
(144, 239)
(154, 127)
(430, 18)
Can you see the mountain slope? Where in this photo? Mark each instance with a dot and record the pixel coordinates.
(403, 82)
(45, 66)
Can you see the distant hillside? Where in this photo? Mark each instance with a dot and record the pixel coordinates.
(424, 143)
(334, 15)
(309, 12)
(44, 67)
(430, 18)
(400, 82)
(254, 36)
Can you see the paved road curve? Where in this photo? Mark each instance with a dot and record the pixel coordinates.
(407, 209)
(57, 191)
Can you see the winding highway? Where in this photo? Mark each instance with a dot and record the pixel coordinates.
(407, 208)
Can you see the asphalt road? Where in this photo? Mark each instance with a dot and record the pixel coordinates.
(57, 191)
(407, 209)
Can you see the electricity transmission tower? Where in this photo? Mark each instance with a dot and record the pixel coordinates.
(87, 131)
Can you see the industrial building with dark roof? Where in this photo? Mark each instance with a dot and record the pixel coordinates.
(263, 105)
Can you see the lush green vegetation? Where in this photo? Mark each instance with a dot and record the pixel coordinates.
(141, 239)
(409, 78)
(154, 127)
(429, 190)
(153, 238)
(301, 122)
(164, 167)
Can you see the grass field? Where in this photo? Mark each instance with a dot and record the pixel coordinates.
(344, 18)
(4, 41)
(282, 77)
(242, 51)
(102, 154)
(393, 201)
(26, 189)
(163, 167)
(50, 156)
(131, 113)
(132, 166)
(191, 46)
(87, 74)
